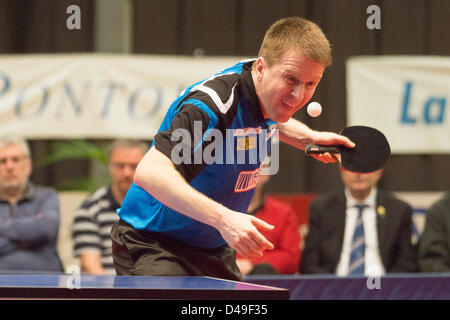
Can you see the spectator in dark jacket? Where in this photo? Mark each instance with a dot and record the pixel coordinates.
(434, 249)
(29, 215)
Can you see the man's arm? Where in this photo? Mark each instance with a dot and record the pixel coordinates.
(158, 176)
(87, 239)
(299, 135)
(38, 228)
(6, 245)
(91, 263)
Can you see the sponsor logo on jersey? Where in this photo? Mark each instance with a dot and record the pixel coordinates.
(246, 143)
(247, 180)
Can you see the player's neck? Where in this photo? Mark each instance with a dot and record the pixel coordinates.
(256, 85)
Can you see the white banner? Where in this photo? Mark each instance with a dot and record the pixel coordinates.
(95, 96)
(405, 97)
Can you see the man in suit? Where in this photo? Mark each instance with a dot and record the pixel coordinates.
(434, 249)
(359, 220)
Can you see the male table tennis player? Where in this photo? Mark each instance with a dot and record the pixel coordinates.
(188, 219)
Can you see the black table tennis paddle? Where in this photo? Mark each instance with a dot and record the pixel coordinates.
(370, 153)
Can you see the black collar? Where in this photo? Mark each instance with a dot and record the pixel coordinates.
(248, 92)
(110, 197)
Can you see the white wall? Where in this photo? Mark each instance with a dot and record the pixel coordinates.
(69, 201)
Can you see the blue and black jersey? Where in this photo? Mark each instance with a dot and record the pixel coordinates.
(217, 138)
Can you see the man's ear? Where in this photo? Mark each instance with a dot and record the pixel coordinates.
(29, 166)
(260, 66)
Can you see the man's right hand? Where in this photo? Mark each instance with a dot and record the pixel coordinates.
(241, 232)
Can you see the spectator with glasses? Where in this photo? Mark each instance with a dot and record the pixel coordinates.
(29, 214)
(95, 216)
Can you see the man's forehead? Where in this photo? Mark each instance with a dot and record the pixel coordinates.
(126, 150)
(297, 54)
(296, 61)
(126, 153)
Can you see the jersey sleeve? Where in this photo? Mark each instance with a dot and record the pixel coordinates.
(188, 135)
(204, 114)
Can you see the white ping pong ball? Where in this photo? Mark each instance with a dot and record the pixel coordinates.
(314, 109)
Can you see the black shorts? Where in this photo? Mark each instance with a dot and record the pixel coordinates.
(145, 253)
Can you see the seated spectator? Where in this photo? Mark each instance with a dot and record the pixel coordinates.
(434, 246)
(94, 218)
(359, 230)
(29, 214)
(284, 258)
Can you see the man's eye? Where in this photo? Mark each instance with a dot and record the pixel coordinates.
(290, 79)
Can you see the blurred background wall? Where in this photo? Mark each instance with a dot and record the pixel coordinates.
(236, 28)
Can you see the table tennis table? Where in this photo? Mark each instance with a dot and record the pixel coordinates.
(66, 286)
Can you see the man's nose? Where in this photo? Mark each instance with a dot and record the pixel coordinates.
(10, 164)
(128, 171)
(298, 92)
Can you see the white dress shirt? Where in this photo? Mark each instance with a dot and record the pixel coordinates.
(373, 265)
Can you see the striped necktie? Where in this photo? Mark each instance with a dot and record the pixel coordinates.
(358, 244)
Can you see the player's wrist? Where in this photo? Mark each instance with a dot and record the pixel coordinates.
(318, 136)
(220, 217)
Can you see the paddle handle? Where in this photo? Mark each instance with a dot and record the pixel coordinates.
(316, 148)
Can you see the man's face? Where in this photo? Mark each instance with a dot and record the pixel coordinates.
(287, 85)
(360, 182)
(122, 166)
(15, 168)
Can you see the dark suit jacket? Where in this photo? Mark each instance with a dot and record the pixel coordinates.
(326, 234)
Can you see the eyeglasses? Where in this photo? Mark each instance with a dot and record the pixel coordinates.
(121, 166)
(14, 160)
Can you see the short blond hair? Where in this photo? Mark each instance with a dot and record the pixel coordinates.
(128, 144)
(298, 34)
